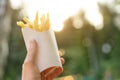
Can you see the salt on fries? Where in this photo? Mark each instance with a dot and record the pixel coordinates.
(43, 26)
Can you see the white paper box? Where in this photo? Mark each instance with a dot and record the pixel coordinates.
(47, 48)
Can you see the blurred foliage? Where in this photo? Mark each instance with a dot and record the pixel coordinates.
(17, 51)
(74, 42)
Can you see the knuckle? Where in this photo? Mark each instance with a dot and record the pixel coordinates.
(26, 64)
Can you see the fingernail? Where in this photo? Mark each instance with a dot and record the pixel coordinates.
(61, 52)
(32, 42)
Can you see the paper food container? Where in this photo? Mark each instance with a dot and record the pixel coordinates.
(48, 57)
(47, 48)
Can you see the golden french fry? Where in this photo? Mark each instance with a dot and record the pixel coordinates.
(39, 28)
(42, 22)
(37, 17)
(21, 24)
(26, 20)
(36, 22)
(26, 25)
(47, 24)
(43, 26)
(30, 25)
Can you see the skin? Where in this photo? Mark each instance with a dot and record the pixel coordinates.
(30, 70)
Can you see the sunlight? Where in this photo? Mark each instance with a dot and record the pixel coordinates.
(15, 4)
(77, 22)
(93, 15)
(60, 10)
(57, 12)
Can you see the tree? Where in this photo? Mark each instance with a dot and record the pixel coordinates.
(5, 27)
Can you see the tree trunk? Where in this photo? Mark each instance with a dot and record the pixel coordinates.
(5, 26)
(92, 54)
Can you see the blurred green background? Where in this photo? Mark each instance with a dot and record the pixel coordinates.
(91, 53)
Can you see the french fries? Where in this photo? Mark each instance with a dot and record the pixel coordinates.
(20, 23)
(44, 24)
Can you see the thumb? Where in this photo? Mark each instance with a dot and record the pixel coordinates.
(32, 51)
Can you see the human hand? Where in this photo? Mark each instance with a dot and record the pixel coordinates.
(30, 69)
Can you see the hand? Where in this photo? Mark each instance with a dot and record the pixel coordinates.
(30, 69)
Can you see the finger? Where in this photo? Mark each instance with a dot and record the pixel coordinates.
(61, 53)
(51, 72)
(62, 60)
(32, 52)
(57, 72)
(45, 73)
(42, 76)
(52, 69)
